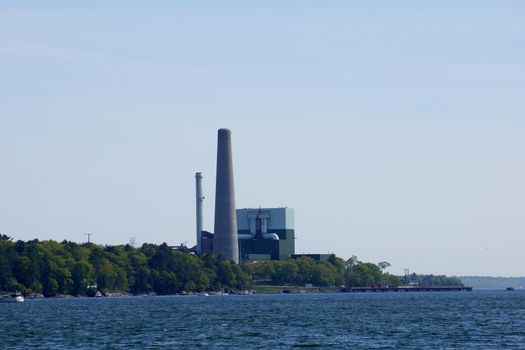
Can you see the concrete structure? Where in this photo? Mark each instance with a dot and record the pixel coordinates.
(199, 199)
(225, 231)
(266, 233)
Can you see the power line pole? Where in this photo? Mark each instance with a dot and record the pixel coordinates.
(89, 236)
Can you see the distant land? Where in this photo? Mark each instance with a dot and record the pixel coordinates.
(485, 282)
(57, 269)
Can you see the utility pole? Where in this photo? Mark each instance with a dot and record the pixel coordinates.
(89, 236)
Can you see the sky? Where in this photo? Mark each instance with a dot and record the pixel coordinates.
(396, 130)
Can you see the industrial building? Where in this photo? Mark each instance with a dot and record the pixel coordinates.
(262, 233)
(266, 233)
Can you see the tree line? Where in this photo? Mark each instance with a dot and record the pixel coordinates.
(53, 268)
(334, 272)
(434, 280)
(68, 268)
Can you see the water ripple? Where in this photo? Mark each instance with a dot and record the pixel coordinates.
(477, 320)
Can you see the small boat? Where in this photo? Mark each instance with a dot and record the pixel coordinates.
(13, 298)
(510, 289)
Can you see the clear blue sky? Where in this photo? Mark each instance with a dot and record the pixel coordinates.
(395, 129)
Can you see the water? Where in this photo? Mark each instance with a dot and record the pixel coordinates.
(455, 320)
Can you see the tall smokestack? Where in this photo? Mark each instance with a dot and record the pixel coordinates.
(199, 198)
(225, 235)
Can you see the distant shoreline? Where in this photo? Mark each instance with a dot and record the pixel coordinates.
(489, 283)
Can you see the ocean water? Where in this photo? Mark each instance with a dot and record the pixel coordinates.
(446, 320)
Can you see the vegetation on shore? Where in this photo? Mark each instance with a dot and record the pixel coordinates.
(434, 280)
(334, 272)
(69, 268)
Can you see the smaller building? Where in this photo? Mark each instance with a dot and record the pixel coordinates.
(316, 257)
(207, 242)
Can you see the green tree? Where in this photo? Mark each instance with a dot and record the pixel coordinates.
(7, 255)
(106, 275)
(139, 273)
(306, 269)
(324, 274)
(383, 265)
(51, 287)
(82, 274)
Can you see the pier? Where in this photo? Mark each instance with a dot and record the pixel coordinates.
(406, 289)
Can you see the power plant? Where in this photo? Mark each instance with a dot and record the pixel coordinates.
(241, 234)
